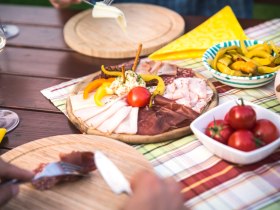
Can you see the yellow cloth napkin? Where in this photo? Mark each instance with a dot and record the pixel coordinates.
(222, 26)
(2, 133)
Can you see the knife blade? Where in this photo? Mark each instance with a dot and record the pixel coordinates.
(111, 174)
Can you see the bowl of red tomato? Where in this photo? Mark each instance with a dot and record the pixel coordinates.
(239, 131)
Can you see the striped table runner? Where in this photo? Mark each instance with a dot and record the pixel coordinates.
(209, 182)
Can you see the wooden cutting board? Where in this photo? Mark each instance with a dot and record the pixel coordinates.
(151, 25)
(87, 193)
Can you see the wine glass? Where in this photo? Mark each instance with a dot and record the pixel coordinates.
(2, 38)
(8, 119)
(10, 30)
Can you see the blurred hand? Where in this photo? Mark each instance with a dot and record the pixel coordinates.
(153, 193)
(63, 3)
(9, 171)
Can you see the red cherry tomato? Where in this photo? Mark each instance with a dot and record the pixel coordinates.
(226, 119)
(242, 117)
(242, 140)
(138, 97)
(266, 131)
(219, 130)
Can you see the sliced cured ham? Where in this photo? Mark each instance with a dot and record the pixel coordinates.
(109, 125)
(130, 124)
(191, 92)
(147, 66)
(164, 115)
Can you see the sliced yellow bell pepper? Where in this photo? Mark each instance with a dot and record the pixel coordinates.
(2, 133)
(111, 73)
(94, 85)
(266, 69)
(100, 93)
(160, 86)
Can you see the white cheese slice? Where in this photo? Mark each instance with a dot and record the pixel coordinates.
(78, 102)
(109, 125)
(130, 124)
(102, 116)
(101, 10)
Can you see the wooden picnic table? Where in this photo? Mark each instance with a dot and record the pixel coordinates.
(39, 58)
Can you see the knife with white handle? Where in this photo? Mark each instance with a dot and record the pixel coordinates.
(111, 174)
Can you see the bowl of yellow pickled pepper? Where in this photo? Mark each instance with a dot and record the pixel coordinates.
(243, 63)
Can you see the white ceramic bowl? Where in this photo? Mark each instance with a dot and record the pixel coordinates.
(228, 153)
(235, 81)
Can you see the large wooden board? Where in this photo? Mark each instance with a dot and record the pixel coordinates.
(170, 135)
(87, 193)
(151, 25)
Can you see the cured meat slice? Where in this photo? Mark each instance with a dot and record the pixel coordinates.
(82, 159)
(102, 116)
(129, 124)
(109, 125)
(191, 91)
(147, 66)
(164, 115)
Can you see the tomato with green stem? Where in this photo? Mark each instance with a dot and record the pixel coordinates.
(242, 116)
(219, 130)
(244, 140)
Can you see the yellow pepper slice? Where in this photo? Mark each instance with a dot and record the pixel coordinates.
(243, 47)
(220, 54)
(100, 93)
(258, 53)
(2, 133)
(111, 73)
(94, 85)
(160, 86)
(226, 70)
(266, 69)
(247, 67)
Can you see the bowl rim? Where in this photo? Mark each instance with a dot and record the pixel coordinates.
(226, 147)
(206, 57)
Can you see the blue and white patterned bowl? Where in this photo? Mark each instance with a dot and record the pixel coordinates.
(235, 81)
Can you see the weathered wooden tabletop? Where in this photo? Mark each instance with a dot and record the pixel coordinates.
(39, 58)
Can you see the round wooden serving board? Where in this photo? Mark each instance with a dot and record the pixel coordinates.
(87, 193)
(151, 25)
(128, 138)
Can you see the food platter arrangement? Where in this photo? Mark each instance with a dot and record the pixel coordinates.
(140, 102)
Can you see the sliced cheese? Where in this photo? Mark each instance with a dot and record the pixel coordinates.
(95, 121)
(130, 124)
(78, 102)
(109, 125)
(101, 10)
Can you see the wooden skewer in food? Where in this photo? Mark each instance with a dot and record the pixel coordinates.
(137, 57)
(123, 73)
